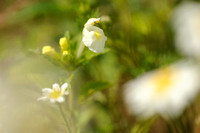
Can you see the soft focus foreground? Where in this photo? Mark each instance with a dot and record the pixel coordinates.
(122, 66)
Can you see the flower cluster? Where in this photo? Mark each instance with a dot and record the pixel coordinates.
(93, 38)
(51, 52)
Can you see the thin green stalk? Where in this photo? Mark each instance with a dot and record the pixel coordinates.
(65, 119)
(70, 91)
(80, 50)
(71, 106)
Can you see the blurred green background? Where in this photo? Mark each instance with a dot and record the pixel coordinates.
(140, 38)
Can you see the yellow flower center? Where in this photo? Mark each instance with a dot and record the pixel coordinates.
(97, 34)
(55, 94)
(162, 80)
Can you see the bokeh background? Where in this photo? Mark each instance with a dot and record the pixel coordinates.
(140, 38)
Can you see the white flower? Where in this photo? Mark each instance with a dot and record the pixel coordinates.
(93, 37)
(166, 91)
(55, 94)
(186, 22)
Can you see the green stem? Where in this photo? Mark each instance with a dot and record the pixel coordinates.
(71, 106)
(63, 115)
(70, 91)
(80, 50)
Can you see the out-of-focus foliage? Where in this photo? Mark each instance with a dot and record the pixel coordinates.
(140, 38)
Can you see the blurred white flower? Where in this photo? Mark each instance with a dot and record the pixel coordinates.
(105, 19)
(186, 22)
(55, 94)
(164, 91)
(93, 37)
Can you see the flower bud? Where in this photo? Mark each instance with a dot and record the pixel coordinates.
(63, 43)
(65, 53)
(48, 50)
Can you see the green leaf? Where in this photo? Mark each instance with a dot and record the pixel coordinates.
(92, 87)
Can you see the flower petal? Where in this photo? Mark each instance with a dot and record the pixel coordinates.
(56, 86)
(91, 21)
(52, 100)
(88, 37)
(47, 90)
(60, 99)
(43, 98)
(64, 87)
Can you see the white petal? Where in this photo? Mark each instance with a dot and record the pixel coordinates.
(98, 46)
(60, 99)
(52, 100)
(64, 87)
(92, 20)
(44, 98)
(56, 86)
(88, 37)
(87, 41)
(85, 31)
(47, 90)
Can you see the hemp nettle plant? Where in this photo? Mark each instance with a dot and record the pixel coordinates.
(71, 57)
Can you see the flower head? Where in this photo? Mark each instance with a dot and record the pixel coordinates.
(165, 91)
(93, 37)
(186, 22)
(55, 94)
